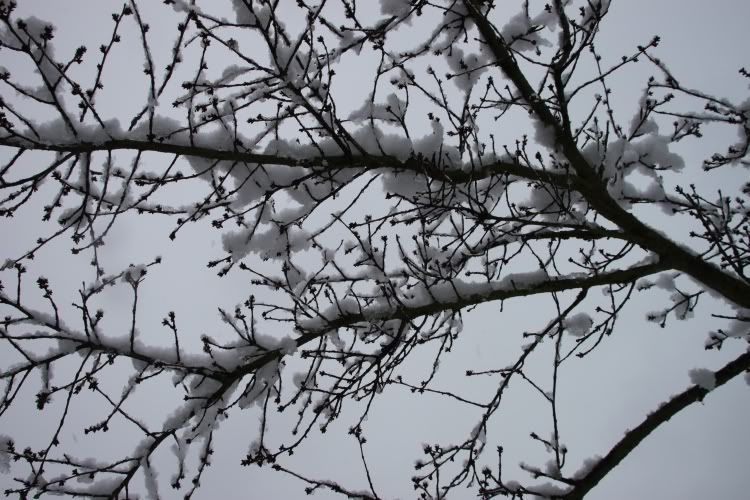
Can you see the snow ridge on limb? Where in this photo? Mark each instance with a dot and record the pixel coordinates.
(370, 162)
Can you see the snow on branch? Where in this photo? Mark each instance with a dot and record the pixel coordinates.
(348, 200)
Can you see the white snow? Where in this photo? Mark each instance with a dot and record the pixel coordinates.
(703, 377)
(467, 67)
(4, 455)
(269, 244)
(682, 309)
(394, 7)
(544, 135)
(393, 108)
(287, 346)
(263, 379)
(518, 31)
(244, 14)
(578, 324)
(420, 295)
(586, 467)
(430, 143)
(150, 479)
(134, 273)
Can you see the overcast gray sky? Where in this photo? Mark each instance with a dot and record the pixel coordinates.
(701, 453)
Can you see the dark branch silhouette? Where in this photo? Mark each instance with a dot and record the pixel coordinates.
(484, 165)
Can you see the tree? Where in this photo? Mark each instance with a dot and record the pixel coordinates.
(354, 244)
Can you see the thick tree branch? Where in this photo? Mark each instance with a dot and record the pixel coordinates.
(548, 286)
(371, 162)
(665, 412)
(593, 187)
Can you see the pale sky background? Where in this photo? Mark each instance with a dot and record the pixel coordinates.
(701, 453)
